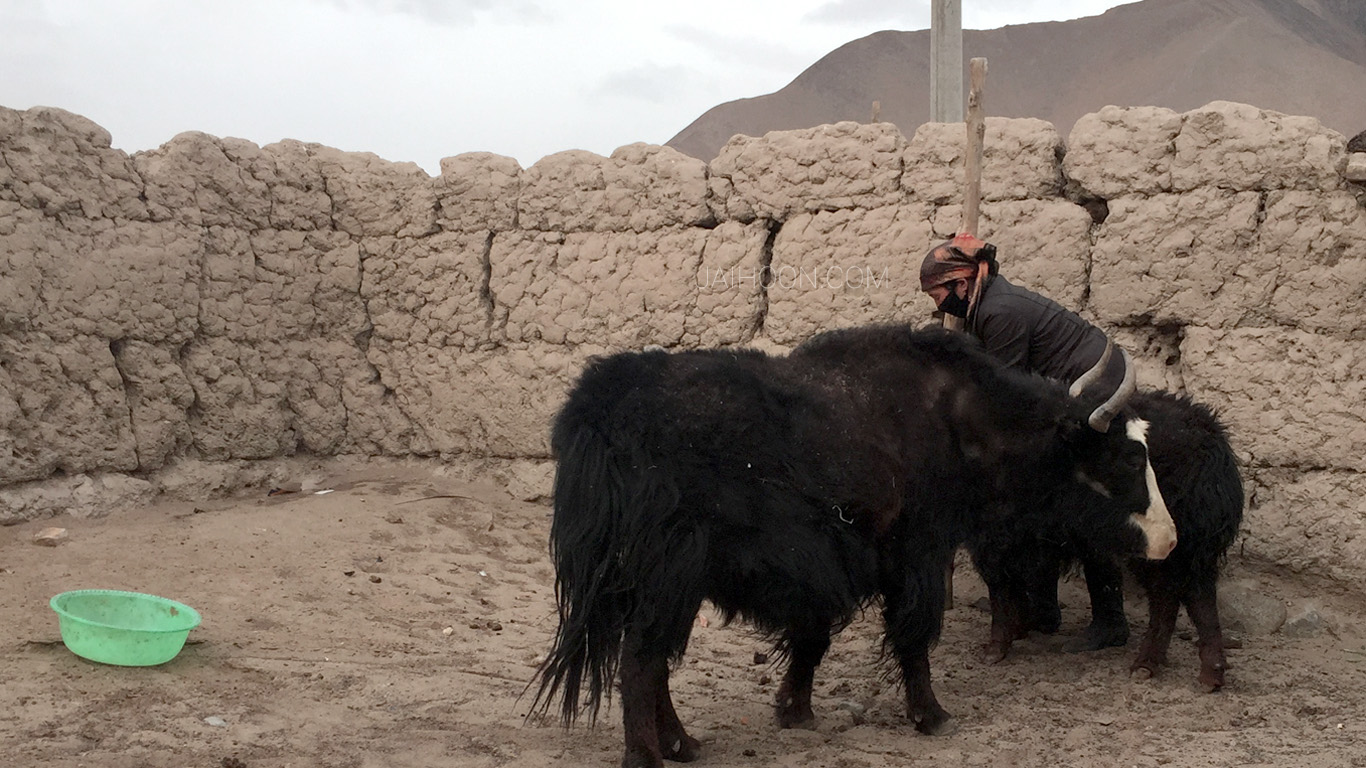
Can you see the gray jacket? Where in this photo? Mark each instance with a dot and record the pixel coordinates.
(1034, 333)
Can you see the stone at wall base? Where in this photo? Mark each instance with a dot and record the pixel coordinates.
(1245, 606)
(1356, 167)
(50, 537)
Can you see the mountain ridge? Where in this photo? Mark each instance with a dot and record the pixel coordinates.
(1304, 57)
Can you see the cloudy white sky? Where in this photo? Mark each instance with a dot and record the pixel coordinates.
(420, 80)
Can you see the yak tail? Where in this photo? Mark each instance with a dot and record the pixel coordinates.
(600, 496)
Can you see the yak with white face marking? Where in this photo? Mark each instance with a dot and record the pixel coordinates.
(792, 491)
(1196, 471)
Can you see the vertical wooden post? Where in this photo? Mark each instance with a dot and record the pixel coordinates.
(972, 202)
(972, 163)
(977, 131)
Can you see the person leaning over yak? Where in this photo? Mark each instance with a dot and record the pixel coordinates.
(1031, 332)
(1019, 327)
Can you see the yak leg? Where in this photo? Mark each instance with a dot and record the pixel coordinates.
(644, 680)
(674, 742)
(652, 729)
(948, 585)
(806, 648)
(921, 706)
(1108, 627)
(1008, 594)
(1045, 614)
(912, 614)
(1007, 620)
(1203, 607)
(1163, 606)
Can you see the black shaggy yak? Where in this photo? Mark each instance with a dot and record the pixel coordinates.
(792, 491)
(1197, 473)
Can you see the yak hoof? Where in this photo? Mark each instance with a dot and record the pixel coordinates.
(1141, 673)
(792, 718)
(683, 750)
(1096, 637)
(995, 652)
(639, 757)
(939, 724)
(794, 711)
(1212, 679)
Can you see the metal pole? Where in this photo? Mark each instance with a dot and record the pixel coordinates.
(946, 61)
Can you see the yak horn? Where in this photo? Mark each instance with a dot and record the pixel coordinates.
(1091, 376)
(1101, 417)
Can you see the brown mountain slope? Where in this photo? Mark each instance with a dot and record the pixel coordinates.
(1303, 57)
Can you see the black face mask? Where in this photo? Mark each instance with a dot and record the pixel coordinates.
(955, 305)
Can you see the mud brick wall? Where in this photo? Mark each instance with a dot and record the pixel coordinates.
(217, 301)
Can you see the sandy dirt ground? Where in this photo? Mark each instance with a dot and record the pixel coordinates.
(367, 628)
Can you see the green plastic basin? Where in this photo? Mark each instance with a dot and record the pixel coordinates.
(129, 629)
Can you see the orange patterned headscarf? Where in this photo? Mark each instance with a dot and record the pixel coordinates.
(962, 258)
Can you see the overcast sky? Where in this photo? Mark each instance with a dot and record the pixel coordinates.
(421, 80)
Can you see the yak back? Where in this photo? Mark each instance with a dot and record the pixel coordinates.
(1013, 437)
(868, 424)
(728, 432)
